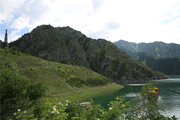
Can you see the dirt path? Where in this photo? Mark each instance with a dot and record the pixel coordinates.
(85, 89)
(78, 90)
(33, 68)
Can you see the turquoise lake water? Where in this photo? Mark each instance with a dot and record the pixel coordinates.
(169, 94)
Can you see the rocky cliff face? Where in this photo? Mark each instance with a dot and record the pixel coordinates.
(66, 45)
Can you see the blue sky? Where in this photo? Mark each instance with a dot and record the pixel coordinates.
(130, 20)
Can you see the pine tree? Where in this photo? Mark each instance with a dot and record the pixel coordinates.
(6, 39)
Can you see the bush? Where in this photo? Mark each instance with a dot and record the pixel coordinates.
(77, 82)
(17, 93)
(148, 108)
(118, 110)
(96, 81)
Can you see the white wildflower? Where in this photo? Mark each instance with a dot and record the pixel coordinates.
(66, 104)
(52, 112)
(98, 119)
(110, 108)
(54, 109)
(57, 112)
(25, 112)
(67, 101)
(14, 113)
(59, 102)
(19, 110)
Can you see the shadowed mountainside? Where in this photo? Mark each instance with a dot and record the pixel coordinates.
(169, 66)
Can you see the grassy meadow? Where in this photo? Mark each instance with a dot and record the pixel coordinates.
(63, 81)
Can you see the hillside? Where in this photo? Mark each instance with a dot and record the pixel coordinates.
(57, 77)
(66, 45)
(169, 66)
(156, 49)
(50, 44)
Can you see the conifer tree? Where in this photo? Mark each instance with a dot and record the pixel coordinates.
(6, 39)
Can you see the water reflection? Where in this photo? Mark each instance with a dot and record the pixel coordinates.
(130, 95)
(135, 84)
(169, 94)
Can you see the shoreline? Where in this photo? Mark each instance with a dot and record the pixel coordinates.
(86, 93)
(102, 93)
(139, 80)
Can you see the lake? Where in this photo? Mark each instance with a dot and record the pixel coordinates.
(169, 94)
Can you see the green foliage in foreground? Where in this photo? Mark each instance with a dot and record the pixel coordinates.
(119, 109)
(17, 92)
(73, 110)
(149, 107)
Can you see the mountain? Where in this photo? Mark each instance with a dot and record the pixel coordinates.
(49, 43)
(156, 49)
(169, 66)
(69, 46)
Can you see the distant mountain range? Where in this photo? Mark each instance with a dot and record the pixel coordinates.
(69, 46)
(156, 49)
(158, 56)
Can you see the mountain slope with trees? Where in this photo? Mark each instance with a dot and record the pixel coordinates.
(156, 49)
(169, 66)
(158, 56)
(66, 45)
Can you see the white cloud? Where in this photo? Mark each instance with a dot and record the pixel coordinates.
(132, 20)
(20, 23)
(8, 7)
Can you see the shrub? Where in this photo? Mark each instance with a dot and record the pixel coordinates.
(77, 82)
(17, 93)
(96, 81)
(148, 108)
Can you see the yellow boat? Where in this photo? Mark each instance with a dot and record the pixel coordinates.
(154, 92)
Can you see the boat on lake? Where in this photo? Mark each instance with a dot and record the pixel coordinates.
(154, 92)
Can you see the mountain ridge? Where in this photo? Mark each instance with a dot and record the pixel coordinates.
(156, 49)
(144, 52)
(69, 46)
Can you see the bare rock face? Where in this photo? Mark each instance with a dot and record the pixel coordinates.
(66, 45)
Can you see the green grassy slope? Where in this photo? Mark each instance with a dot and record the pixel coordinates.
(56, 76)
